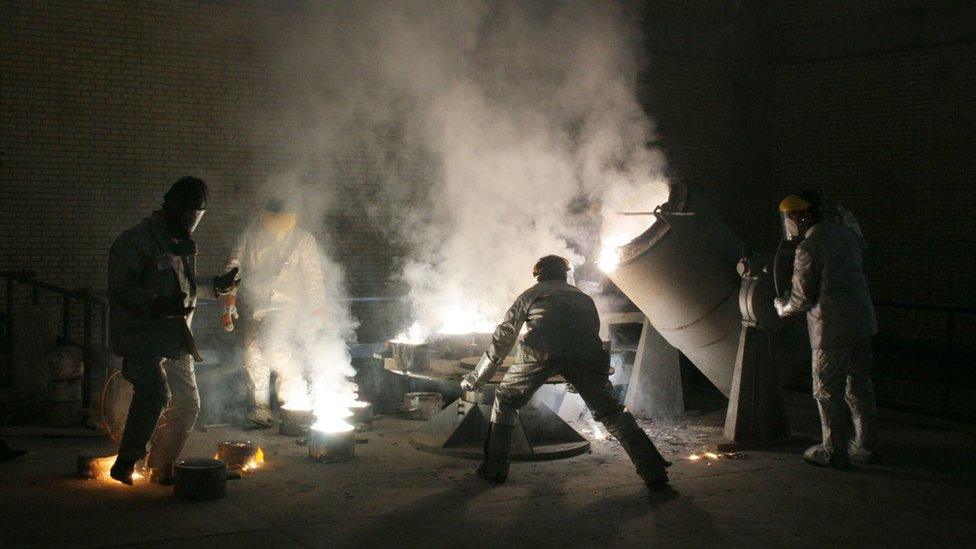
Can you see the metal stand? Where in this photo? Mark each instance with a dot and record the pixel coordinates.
(461, 429)
(755, 414)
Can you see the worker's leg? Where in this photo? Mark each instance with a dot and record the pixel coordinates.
(290, 383)
(596, 390)
(516, 389)
(149, 397)
(860, 399)
(257, 372)
(830, 367)
(176, 421)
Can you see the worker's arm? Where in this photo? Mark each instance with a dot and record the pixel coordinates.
(126, 264)
(806, 284)
(502, 341)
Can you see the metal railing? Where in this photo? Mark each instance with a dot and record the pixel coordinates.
(95, 349)
(950, 373)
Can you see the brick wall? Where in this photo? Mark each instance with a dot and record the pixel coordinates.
(105, 103)
(884, 127)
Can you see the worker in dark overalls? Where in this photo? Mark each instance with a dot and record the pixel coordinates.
(562, 338)
(153, 290)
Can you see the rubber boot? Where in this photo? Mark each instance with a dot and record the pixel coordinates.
(498, 450)
(261, 417)
(819, 456)
(650, 464)
(122, 471)
(863, 447)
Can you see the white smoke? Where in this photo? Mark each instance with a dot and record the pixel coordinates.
(499, 131)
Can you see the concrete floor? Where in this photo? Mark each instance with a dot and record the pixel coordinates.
(394, 495)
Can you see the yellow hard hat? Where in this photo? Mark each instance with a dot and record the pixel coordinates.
(278, 222)
(793, 203)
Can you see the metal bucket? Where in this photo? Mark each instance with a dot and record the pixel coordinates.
(362, 416)
(237, 454)
(200, 479)
(295, 423)
(331, 447)
(422, 406)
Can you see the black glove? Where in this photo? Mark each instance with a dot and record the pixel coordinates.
(227, 282)
(169, 306)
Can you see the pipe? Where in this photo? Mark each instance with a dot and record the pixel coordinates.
(681, 273)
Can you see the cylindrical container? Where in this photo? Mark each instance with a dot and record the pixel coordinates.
(412, 357)
(422, 406)
(237, 454)
(681, 273)
(93, 465)
(65, 363)
(200, 479)
(67, 390)
(331, 447)
(362, 416)
(295, 423)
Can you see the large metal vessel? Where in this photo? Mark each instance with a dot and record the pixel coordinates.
(681, 273)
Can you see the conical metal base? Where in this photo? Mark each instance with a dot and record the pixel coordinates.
(461, 428)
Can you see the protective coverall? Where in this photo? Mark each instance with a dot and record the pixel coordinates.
(158, 352)
(283, 289)
(562, 337)
(830, 285)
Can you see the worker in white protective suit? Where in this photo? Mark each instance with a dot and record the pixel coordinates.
(830, 286)
(562, 338)
(282, 298)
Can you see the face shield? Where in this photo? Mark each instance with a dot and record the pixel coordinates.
(189, 219)
(791, 230)
(793, 211)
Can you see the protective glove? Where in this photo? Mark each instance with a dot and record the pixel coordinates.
(483, 372)
(227, 282)
(783, 308)
(169, 306)
(228, 311)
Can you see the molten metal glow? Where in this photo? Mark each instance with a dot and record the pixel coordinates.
(102, 466)
(414, 335)
(694, 457)
(609, 259)
(300, 402)
(333, 425)
(254, 462)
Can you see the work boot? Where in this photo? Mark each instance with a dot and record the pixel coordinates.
(818, 455)
(7, 453)
(162, 476)
(122, 471)
(261, 417)
(859, 454)
(648, 462)
(498, 449)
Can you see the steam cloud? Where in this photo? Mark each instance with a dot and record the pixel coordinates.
(499, 131)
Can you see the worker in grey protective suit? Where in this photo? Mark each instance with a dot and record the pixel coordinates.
(152, 290)
(562, 337)
(283, 296)
(830, 286)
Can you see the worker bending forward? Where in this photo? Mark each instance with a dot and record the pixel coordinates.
(152, 290)
(283, 296)
(562, 337)
(830, 286)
